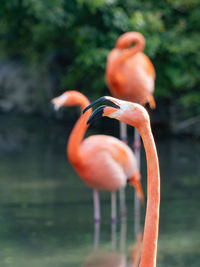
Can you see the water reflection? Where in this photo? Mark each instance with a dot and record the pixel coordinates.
(115, 257)
(104, 258)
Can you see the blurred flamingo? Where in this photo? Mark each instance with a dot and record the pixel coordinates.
(136, 115)
(103, 162)
(130, 75)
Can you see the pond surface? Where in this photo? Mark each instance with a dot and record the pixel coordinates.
(46, 211)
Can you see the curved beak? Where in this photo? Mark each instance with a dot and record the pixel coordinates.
(98, 113)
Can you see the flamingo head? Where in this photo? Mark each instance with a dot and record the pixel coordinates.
(69, 98)
(127, 112)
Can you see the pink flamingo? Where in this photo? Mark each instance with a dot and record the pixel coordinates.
(130, 74)
(103, 162)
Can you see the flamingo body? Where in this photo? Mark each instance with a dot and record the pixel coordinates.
(107, 163)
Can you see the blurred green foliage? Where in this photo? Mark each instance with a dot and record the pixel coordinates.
(31, 30)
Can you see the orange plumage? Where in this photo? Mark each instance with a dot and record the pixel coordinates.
(130, 74)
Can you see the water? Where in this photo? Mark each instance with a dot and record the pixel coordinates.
(46, 213)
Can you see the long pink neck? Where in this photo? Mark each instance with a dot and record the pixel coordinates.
(77, 134)
(149, 247)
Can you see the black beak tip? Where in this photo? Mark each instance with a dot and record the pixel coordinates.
(88, 121)
(97, 113)
(101, 99)
(85, 109)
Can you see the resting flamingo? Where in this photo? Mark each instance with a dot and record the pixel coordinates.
(130, 75)
(103, 162)
(135, 115)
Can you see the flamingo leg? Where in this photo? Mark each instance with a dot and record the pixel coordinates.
(114, 235)
(113, 207)
(97, 216)
(123, 229)
(123, 132)
(137, 146)
(122, 200)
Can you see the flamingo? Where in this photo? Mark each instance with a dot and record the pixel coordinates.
(130, 75)
(136, 115)
(102, 162)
